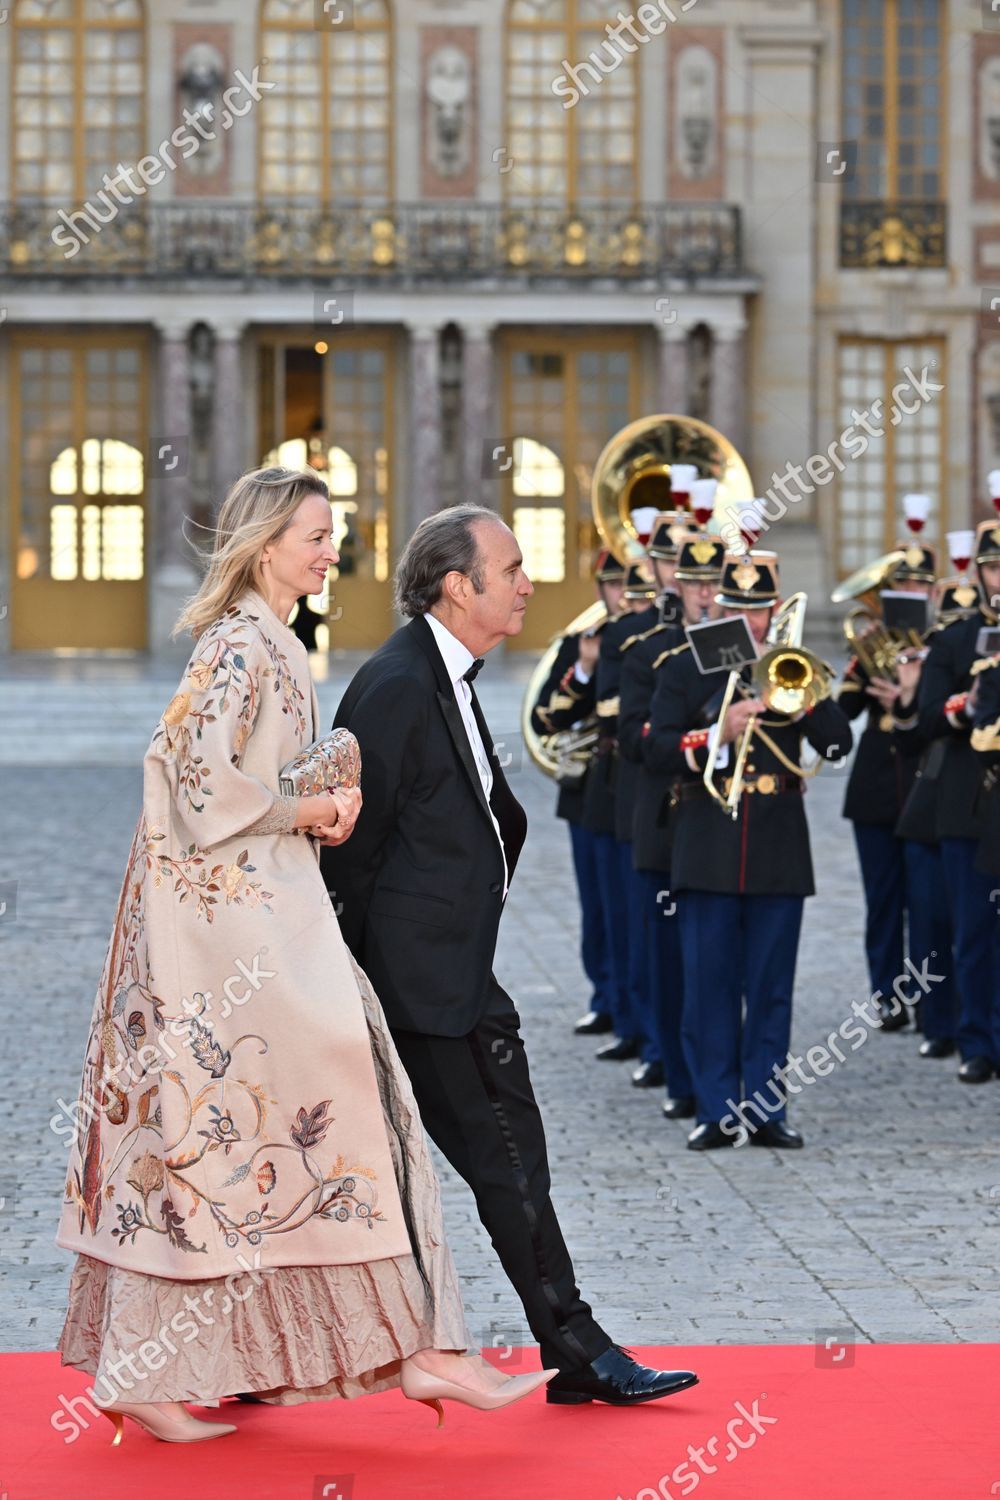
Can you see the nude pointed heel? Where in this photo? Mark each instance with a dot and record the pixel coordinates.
(162, 1424)
(431, 1390)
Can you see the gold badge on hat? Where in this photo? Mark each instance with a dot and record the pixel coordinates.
(914, 557)
(745, 575)
(965, 595)
(994, 536)
(702, 551)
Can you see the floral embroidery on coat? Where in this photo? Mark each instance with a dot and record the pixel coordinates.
(180, 1137)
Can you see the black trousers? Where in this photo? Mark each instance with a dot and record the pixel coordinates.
(477, 1105)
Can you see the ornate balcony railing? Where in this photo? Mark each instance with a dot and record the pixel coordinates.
(881, 232)
(403, 241)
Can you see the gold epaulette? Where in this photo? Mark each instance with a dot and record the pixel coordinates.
(645, 634)
(674, 651)
(982, 665)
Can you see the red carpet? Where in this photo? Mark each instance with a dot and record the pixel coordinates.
(889, 1421)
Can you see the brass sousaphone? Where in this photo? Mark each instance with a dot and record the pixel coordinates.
(632, 471)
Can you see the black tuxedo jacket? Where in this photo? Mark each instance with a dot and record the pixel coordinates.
(419, 884)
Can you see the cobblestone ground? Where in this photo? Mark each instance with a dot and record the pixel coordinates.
(884, 1228)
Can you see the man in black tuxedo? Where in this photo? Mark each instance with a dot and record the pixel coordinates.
(420, 886)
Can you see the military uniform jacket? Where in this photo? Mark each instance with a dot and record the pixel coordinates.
(650, 814)
(955, 766)
(557, 708)
(986, 743)
(765, 850)
(882, 773)
(599, 793)
(622, 637)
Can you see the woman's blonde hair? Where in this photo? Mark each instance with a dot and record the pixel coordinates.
(258, 508)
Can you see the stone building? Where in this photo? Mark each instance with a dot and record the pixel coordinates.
(444, 249)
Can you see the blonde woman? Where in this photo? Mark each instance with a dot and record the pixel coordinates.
(250, 1196)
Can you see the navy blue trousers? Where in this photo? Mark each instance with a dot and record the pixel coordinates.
(594, 946)
(609, 883)
(632, 917)
(973, 920)
(930, 938)
(736, 949)
(883, 875)
(666, 979)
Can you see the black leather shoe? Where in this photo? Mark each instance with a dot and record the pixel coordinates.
(711, 1137)
(777, 1133)
(594, 1023)
(892, 1015)
(941, 1046)
(618, 1379)
(976, 1070)
(620, 1050)
(648, 1075)
(679, 1109)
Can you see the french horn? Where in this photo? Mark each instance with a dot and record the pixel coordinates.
(632, 471)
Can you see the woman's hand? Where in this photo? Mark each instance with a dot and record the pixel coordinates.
(347, 804)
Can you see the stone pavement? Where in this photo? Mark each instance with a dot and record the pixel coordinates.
(884, 1228)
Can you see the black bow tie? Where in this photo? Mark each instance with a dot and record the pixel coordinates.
(473, 672)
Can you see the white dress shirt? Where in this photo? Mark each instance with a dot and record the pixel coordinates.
(457, 661)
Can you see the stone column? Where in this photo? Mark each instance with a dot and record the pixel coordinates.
(728, 400)
(423, 481)
(174, 574)
(478, 410)
(673, 384)
(228, 456)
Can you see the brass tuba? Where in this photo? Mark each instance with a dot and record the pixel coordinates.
(632, 471)
(787, 678)
(877, 648)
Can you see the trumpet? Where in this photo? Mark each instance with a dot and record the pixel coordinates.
(788, 679)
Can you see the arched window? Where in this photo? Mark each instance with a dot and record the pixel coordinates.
(325, 131)
(575, 151)
(892, 78)
(78, 94)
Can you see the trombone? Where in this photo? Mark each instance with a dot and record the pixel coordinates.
(788, 679)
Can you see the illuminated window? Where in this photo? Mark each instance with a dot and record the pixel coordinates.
(585, 154)
(537, 470)
(78, 94)
(892, 77)
(95, 542)
(541, 536)
(325, 130)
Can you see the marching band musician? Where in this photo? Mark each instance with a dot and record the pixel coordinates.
(739, 883)
(986, 743)
(895, 874)
(610, 796)
(946, 702)
(664, 613)
(697, 564)
(566, 698)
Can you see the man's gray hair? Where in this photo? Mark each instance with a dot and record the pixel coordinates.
(441, 544)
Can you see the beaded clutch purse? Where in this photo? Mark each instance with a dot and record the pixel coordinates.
(332, 761)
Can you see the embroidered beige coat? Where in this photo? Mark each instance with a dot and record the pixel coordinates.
(229, 1112)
